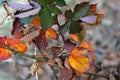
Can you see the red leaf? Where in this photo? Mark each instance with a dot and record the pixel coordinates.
(2, 40)
(41, 41)
(69, 45)
(66, 74)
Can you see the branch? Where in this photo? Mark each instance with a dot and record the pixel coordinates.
(32, 57)
(96, 75)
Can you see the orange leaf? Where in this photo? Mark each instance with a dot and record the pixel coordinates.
(36, 21)
(14, 43)
(79, 60)
(79, 63)
(52, 34)
(99, 16)
(78, 36)
(86, 45)
(4, 53)
(74, 37)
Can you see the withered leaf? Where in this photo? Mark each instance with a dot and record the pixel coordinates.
(29, 37)
(40, 71)
(17, 27)
(69, 45)
(41, 41)
(51, 62)
(33, 69)
(66, 64)
(55, 51)
(66, 74)
(59, 62)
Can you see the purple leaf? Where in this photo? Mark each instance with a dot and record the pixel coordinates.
(19, 6)
(89, 19)
(35, 10)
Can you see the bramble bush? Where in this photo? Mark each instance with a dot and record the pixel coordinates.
(34, 22)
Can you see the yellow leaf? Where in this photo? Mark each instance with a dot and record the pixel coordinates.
(79, 63)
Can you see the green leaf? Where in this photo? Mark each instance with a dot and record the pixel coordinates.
(75, 27)
(81, 13)
(69, 2)
(54, 10)
(46, 18)
(65, 27)
(79, 6)
(42, 3)
(50, 1)
(27, 20)
(69, 14)
(60, 3)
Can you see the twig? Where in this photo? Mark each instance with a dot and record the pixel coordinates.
(33, 57)
(96, 75)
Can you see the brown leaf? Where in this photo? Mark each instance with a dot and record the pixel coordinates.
(55, 51)
(40, 71)
(69, 45)
(33, 69)
(66, 64)
(29, 37)
(66, 74)
(17, 27)
(51, 62)
(41, 41)
(59, 62)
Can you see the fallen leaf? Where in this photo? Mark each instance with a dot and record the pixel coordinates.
(52, 34)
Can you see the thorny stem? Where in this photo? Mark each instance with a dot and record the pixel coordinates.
(96, 75)
(33, 57)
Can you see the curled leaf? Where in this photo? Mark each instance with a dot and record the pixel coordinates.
(4, 53)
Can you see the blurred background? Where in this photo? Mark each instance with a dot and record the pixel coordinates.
(104, 38)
